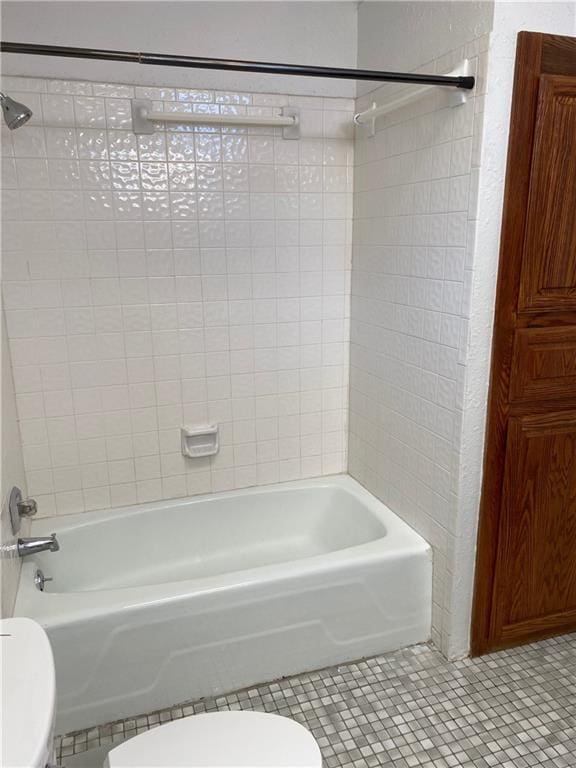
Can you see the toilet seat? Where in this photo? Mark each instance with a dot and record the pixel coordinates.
(221, 740)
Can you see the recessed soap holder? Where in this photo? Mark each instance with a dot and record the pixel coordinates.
(199, 441)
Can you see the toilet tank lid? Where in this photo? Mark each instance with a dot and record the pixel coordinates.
(28, 693)
(219, 740)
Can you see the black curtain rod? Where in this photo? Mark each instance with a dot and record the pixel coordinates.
(197, 62)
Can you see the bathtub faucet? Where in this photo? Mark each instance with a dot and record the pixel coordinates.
(37, 544)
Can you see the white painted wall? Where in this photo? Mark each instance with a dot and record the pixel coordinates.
(407, 35)
(509, 19)
(316, 33)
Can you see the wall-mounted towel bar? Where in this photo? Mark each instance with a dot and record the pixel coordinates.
(144, 119)
(456, 98)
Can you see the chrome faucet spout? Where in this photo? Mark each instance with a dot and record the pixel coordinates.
(37, 544)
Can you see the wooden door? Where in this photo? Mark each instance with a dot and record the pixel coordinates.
(525, 585)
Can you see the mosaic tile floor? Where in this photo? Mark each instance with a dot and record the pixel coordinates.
(407, 709)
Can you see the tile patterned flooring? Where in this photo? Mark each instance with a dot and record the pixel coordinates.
(407, 709)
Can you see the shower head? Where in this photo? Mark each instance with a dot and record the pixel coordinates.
(15, 114)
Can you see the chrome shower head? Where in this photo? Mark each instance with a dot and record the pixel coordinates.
(15, 114)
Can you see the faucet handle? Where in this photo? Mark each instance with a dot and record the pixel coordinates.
(27, 507)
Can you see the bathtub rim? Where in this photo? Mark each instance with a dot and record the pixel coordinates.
(41, 525)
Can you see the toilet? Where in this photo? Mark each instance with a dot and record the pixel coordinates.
(247, 739)
(215, 740)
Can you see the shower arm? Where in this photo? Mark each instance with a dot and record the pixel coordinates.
(197, 62)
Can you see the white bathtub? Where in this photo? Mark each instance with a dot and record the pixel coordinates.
(160, 603)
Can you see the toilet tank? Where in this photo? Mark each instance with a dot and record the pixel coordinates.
(28, 694)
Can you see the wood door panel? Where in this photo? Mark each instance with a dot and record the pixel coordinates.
(535, 629)
(536, 569)
(525, 581)
(549, 263)
(544, 364)
(556, 53)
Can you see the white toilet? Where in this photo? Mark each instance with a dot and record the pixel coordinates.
(217, 740)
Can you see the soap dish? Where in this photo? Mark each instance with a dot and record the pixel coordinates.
(199, 441)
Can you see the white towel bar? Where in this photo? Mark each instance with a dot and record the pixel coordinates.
(144, 119)
(457, 96)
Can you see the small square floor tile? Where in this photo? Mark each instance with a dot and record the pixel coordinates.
(410, 709)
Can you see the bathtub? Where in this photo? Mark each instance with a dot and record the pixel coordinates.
(166, 602)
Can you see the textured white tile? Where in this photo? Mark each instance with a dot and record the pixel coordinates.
(414, 196)
(112, 351)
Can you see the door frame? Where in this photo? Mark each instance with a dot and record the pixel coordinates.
(536, 54)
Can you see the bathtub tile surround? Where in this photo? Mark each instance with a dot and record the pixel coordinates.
(12, 473)
(414, 233)
(187, 277)
(409, 708)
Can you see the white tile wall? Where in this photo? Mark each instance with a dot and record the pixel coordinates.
(414, 210)
(196, 275)
(11, 473)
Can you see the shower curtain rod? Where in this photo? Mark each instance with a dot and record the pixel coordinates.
(197, 62)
